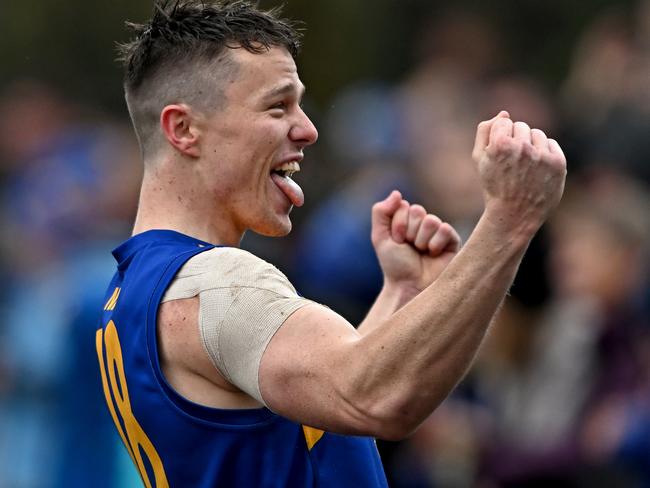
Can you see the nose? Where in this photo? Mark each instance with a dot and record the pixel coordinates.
(303, 131)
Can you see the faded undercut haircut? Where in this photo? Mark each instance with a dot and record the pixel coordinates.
(181, 56)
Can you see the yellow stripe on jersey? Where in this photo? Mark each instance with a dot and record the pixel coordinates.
(110, 304)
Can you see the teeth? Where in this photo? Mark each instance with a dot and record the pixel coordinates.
(289, 168)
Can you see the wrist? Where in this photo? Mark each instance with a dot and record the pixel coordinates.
(508, 224)
(399, 291)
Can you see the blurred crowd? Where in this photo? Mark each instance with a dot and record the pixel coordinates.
(559, 394)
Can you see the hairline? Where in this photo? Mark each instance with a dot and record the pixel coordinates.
(203, 75)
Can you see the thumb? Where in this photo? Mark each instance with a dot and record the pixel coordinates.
(382, 216)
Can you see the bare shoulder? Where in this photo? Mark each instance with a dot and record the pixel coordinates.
(177, 319)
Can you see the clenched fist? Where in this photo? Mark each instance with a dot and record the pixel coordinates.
(522, 173)
(413, 246)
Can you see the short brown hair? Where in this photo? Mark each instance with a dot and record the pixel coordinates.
(168, 59)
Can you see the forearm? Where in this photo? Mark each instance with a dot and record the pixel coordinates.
(409, 362)
(391, 298)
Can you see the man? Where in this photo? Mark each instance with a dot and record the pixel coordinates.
(216, 372)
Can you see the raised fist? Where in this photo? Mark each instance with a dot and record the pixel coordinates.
(522, 172)
(413, 246)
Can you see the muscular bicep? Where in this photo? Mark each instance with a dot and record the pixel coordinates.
(303, 370)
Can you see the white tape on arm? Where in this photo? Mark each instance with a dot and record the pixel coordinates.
(243, 302)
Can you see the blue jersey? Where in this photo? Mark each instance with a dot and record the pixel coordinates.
(175, 442)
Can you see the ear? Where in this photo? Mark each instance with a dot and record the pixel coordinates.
(179, 127)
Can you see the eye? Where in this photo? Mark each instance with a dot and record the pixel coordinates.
(278, 106)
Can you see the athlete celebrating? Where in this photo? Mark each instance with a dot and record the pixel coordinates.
(216, 372)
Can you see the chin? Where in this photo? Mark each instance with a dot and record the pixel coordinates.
(280, 227)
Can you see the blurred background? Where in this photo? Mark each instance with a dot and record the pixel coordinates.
(560, 393)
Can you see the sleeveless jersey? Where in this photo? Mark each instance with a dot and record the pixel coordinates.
(177, 443)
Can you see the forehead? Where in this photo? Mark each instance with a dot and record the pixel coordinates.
(259, 75)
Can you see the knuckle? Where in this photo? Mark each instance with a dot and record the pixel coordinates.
(559, 163)
(553, 159)
(504, 144)
(535, 155)
(446, 229)
(526, 148)
(521, 125)
(417, 210)
(432, 221)
(530, 152)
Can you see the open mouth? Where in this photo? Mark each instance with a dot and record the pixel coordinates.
(287, 170)
(281, 176)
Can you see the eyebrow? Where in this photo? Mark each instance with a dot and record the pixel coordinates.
(284, 90)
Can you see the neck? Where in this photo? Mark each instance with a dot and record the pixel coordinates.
(177, 199)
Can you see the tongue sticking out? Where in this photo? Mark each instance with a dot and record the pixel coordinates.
(290, 188)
